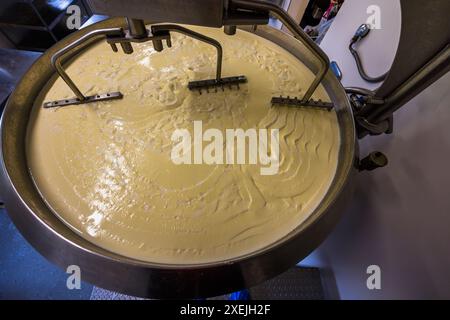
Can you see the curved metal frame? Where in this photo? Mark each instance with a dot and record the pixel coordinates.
(56, 58)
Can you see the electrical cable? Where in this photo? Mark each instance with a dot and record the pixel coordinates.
(362, 32)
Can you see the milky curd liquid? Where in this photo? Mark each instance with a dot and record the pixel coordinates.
(105, 168)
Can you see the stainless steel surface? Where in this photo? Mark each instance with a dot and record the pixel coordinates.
(198, 12)
(137, 28)
(218, 13)
(229, 30)
(425, 30)
(64, 247)
(424, 77)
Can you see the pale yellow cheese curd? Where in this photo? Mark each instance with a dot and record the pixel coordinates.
(106, 169)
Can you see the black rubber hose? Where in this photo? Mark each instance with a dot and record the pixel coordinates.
(360, 67)
(359, 91)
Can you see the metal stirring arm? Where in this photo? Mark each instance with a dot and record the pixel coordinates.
(56, 62)
(200, 85)
(299, 34)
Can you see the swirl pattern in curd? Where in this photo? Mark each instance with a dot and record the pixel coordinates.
(105, 168)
